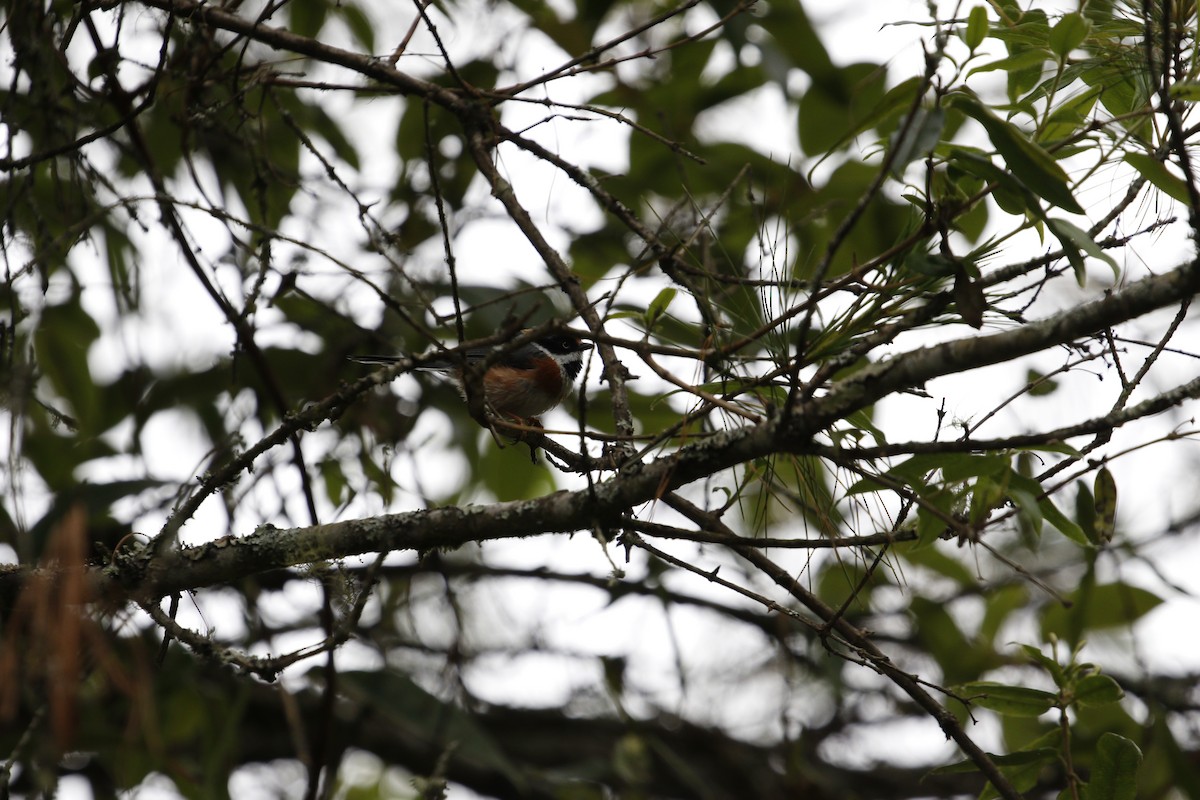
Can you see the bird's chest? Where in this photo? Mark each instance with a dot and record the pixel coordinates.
(525, 392)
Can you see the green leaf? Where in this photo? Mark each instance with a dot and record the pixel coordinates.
(658, 306)
(969, 300)
(1032, 165)
(119, 252)
(508, 474)
(1028, 510)
(977, 27)
(308, 16)
(832, 112)
(796, 36)
(1188, 91)
(866, 486)
(1016, 701)
(334, 477)
(1060, 521)
(930, 523)
(1109, 605)
(1085, 510)
(1097, 690)
(1061, 448)
(320, 122)
(933, 265)
(960, 466)
(1106, 505)
(1032, 32)
(64, 335)
(936, 560)
(1069, 33)
(861, 421)
(1068, 119)
(960, 658)
(1022, 767)
(1114, 769)
(839, 583)
(1035, 756)
(1124, 92)
(914, 470)
(359, 24)
(1159, 176)
(1023, 777)
(1025, 489)
(921, 136)
(892, 107)
(1022, 60)
(986, 494)
(1045, 662)
(1039, 384)
(1001, 603)
(1077, 241)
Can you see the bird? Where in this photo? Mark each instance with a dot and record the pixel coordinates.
(522, 383)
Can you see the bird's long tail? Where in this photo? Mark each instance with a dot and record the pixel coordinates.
(430, 366)
(375, 359)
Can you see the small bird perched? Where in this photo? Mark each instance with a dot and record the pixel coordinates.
(521, 383)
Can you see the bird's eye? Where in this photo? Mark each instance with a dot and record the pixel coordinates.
(560, 343)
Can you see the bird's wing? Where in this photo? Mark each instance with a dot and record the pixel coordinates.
(521, 358)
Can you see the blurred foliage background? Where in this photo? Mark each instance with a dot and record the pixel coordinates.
(207, 207)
